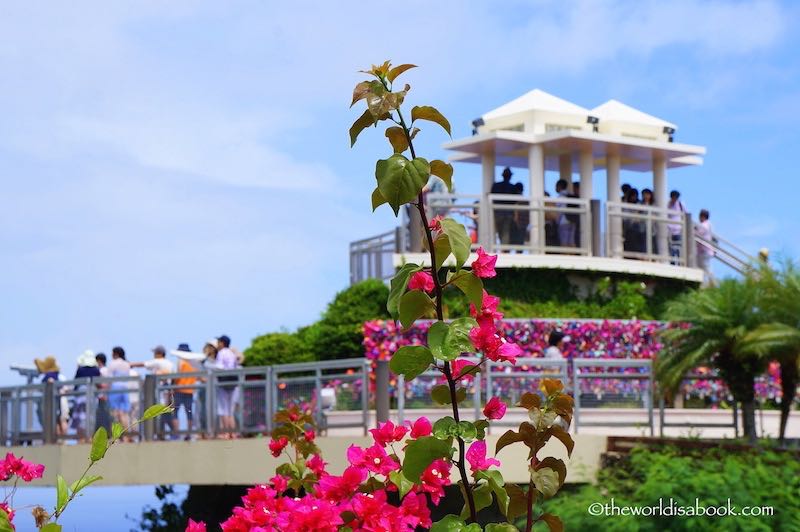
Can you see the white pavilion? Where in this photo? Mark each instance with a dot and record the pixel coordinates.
(539, 132)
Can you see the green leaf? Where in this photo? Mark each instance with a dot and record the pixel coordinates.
(467, 431)
(501, 527)
(5, 523)
(49, 527)
(453, 523)
(517, 501)
(481, 495)
(426, 112)
(62, 493)
(398, 287)
(155, 411)
(117, 430)
(553, 521)
(546, 481)
(481, 425)
(403, 484)
(448, 341)
(459, 240)
(400, 180)
(445, 428)
(443, 171)
(99, 445)
(556, 465)
(363, 122)
(396, 71)
(81, 483)
(414, 304)
(472, 287)
(410, 361)
(497, 483)
(441, 247)
(397, 138)
(377, 199)
(421, 452)
(441, 394)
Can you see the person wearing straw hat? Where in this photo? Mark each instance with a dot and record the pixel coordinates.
(87, 369)
(50, 372)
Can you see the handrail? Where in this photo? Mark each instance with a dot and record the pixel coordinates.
(737, 259)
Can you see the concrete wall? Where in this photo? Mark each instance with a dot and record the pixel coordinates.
(248, 461)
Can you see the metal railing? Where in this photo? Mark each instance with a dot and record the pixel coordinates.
(371, 258)
(727, 253)
(337, 392)
(662, 422)
(646, 233)
(640, 393)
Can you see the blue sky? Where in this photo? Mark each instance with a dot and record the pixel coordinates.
(173, 171)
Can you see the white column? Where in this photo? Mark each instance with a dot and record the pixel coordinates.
(486, 239)
(661, 194)
(586, 168)
(613, 224)
(536, 188)
(565, 170)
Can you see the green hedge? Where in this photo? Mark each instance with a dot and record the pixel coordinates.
(752, 478)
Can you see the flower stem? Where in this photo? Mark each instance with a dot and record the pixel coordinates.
(438, 288)
(529, 521)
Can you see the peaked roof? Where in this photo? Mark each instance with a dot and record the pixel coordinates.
(616, 111)
(536, 100)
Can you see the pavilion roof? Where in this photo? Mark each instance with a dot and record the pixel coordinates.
(536, 100)
(616, 111)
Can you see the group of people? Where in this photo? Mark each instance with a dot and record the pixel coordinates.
(119, 400)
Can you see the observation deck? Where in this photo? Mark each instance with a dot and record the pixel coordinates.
(539, 133)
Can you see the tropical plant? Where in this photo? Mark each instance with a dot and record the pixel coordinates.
(277, 348)
(714, 322)
(779, 338)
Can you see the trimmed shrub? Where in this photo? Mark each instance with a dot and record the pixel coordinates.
(277, 348)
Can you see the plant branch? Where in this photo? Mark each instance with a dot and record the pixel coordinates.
(529, 520)
(438, 288)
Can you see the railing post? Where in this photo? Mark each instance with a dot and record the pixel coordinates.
(401, 399)
(5, 404)
(268, 385)
(595, 212)
(150, 399)
(49, 413)
(365, 369)
(381, 391)
(576, 392)
(689, 247)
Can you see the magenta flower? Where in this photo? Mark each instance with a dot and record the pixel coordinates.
(435, 478)
(317, 465)
(279, 483)
(476, 456)
(373, 459)
(421, 281)
(494, 409)
(277, 446)
(488, 311)
(459, 366)
(421, 427)
(340, 488)
(20, 467)
(387, 433)
(483, 266)
(195, 526)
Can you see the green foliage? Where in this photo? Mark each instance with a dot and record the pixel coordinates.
(410, 361)
(758, 478)
(420, 453)
(340, 331)
(277, 348)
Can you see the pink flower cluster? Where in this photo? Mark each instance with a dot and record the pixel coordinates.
(343, 500)
(13, 466)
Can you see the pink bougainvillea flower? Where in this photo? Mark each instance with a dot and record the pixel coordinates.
(387, 433)
(421, 427)
(459, 366)
(317, 465)
(9, 512)
(488, 311)
(195, 526)
(421, 281)
(436, 223)
(20, 467)
(279, 483)
(415, 511)
(373, 459)
(434, 479)
(276, 447)
(507, 352)
(307, 514)
(309, 435)
(483, 266)
(487, 341)
(494, 409)
(335, 488)
(476, 456)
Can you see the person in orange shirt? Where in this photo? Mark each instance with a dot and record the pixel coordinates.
(184, 397)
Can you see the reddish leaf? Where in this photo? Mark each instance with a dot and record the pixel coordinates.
(562, 435)
(360, 92)
(399, 69)
(530, 400)
(551, 386)
(556, 465)
(507, 439)
(397, 138)
(554, 522)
